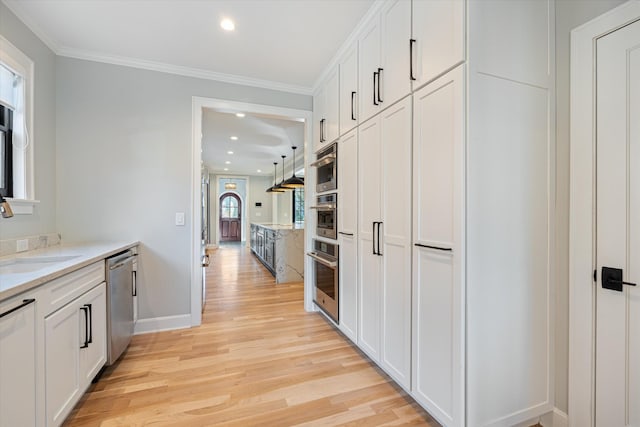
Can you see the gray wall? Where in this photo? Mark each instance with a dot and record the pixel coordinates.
(284, 208)
(257, 187)
(124, 165)
(569, 14)
(44, 142)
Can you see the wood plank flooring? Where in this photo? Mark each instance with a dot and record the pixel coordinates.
(257, 360)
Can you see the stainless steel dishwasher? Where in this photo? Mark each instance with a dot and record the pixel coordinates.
(120, 293)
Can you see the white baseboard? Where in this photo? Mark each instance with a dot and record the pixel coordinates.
(555, 418)
(560, 419)
(157, 324)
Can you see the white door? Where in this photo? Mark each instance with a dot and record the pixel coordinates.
(369, 264)
(368, 65)
(395, 233)
(618, 228)
(396, 33)
(349, 90)
(348, 234)
(318, 117)
(94, 356)
(331, 107)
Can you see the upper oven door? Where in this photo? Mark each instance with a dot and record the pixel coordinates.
(326, 169)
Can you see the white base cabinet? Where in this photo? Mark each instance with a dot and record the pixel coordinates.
(75, 345)
(18, 362)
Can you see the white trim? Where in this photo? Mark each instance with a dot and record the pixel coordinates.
(582, 209)
(22, 206)
(158, 324)
(198, 103)
(182, 71)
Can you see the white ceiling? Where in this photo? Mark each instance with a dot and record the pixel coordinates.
(283, 44)
(261, 141)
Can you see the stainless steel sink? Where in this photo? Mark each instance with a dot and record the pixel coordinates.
(31, 264)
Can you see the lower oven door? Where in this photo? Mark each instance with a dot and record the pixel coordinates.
(326, 286)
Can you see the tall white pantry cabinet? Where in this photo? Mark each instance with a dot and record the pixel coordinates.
(449, 289)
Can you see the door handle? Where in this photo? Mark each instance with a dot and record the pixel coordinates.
(439, 248)
(25, 302)
(85, 309)
(380, 70)
(135, 283)
(90, 340)
(379, 226)
(375, 100)
(373, 238)
(612, 279)
(411, 42)
(345, 234)
(353, 98)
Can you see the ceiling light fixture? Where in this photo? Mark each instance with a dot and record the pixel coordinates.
(273, 188)
(259, 170)
(229, 152)
(227, 162)
(241, 115)
(281, 186)
(227, 24)
(294, 181)
(226, 169)
(234, 138)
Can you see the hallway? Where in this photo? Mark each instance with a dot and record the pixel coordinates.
(257, 359)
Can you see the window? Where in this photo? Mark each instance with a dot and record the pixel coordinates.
(230, 207)
(16, 128)
(6, 152)
(298, 205)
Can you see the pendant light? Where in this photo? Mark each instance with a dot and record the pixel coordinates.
(294, 181)
(273, 188)
(280, 186)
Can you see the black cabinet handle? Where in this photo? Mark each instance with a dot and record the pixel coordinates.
(438, 248)
(345, 234)
(411, 42)
(612, 279)
(379, 226)
(375, 101)
(90, 340)
(380, 70)
(85, 309)
(135, 283)
(373, 238)
(25, 302)
(322, 130)
(353, 99)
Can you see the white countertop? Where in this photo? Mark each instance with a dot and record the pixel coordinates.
(280, 226)
(84, 254)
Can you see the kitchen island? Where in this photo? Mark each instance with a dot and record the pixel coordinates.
(281, 249)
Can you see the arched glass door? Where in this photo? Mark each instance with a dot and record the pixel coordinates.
(230, 218)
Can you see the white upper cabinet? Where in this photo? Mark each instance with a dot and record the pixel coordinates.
(394, 79)
(349, 90)
(368, 64)
(326, 111)
(384, 59)
(438, 38)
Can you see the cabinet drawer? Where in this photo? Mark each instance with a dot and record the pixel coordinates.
(68, 287)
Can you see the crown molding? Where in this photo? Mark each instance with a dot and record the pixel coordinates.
(353, 37)
(182, 71)
(14, 7)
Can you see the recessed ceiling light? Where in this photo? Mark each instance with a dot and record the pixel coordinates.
(259, 170)
(234, 138)
(227, 162)
(229, 152)
(240, 114)
(226, 169)
(227, 24)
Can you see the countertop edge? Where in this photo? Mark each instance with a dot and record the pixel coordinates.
(47, 277)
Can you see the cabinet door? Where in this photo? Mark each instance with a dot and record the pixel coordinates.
(368, 64)
(395, 82)
(438, 31)
(64, 334)
(395, 126)
(331, 107)
(437, 276)
(349, 90)
(93, 357)
(347, 226)
(17, 363)
(369, 264)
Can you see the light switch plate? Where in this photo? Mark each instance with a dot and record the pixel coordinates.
(179, 218)
(22, 245)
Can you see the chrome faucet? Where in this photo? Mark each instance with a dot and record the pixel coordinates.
(5, 208)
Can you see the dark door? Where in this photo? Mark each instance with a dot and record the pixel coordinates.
(230, 220)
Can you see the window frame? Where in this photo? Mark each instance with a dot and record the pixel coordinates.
(23, 199)
(300, 205)
(6, 127)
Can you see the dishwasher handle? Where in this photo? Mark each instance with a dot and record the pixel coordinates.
(122, 262)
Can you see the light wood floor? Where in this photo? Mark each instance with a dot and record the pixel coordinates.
(257, 359)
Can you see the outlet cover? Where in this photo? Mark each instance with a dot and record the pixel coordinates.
(179, 218)
(22, 245)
